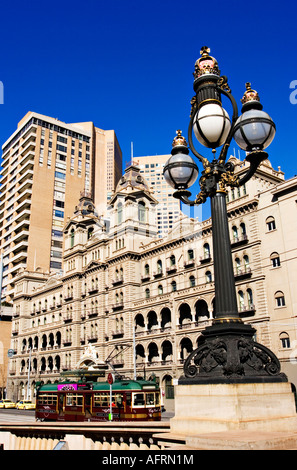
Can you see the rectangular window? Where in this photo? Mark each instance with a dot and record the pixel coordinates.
(57, 233)
(72, 399)
(62, 148)
(56, 265)
(59, 174)
(47, 399)
(58, 213)
(62, 139)
(59, 203)
(56, 254)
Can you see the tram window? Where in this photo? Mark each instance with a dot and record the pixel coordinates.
(73, 399)
(101, 399)
(119, 400)
(45, 399)
(150, 399)
(138, 399)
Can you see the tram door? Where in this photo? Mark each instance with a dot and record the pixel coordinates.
(88, 405)
(61, 407)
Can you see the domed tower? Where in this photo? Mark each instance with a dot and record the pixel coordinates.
(82, 224)
(132, 208)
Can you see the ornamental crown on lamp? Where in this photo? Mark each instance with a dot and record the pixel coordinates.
(179, 139)
(206, 64)
(249, 94)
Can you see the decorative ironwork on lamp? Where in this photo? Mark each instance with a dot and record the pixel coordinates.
(228, 352)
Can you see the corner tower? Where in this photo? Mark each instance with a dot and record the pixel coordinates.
(132, 208)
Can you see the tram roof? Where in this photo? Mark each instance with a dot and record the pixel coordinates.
(101, 386)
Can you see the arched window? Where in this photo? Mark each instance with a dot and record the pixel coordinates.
(237, 266)
(147, 293)
(172, 260)
(275, 260)
(147, 270)
(243, 230)
(279, 299)
(270, 223)
(250, 298)
(241, 300)
(192, 281)
(159, 266)
(246, 263)
(141, 211)
(160, 289)
(190, 255)
(120, 212)
(285, 340)
(234, 233)
(173, 286)
(208, 276)
(206, 249)
(72, 238)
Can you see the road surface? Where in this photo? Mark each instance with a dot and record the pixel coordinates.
(28, 416)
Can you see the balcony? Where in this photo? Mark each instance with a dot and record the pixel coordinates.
(93, 290)
(158, 274)
(171, 269)
(118, 306)
(117, 281)
(67, 317)
(246, 310)
(93, 338)
(242, 273)
(93, 313)
(238, 241)
(189, 264)
(117, 334)
(205, 259)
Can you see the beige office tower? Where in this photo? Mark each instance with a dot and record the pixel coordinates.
(46, 165)
(168, 208)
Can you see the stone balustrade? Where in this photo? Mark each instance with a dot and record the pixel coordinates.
(82, 436)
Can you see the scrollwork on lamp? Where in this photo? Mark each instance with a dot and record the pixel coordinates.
(227, 351)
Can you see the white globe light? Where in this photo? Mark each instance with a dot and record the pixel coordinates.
(180, 171)
(254, 129)
(211, 125)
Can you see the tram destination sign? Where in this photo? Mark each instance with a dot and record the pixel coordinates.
(72, 387)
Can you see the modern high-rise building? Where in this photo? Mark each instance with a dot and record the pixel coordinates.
(46, 164)
(168, 208)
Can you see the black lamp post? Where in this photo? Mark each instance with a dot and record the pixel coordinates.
(227, 352)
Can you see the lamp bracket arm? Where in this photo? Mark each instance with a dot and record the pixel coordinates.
(237, 181)
(225, 90)
(200, 157)
(184, 195)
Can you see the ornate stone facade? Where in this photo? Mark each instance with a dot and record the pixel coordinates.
(119, 277)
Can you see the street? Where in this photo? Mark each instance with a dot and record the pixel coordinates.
(28, 416)
(14, 415)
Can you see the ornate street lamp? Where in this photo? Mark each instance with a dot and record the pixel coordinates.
(227, 352)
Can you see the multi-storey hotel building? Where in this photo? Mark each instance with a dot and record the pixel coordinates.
(122, 282)
(46, 163)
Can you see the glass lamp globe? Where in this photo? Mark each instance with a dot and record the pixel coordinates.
(211, 125)
(180, 171)
(254, 129)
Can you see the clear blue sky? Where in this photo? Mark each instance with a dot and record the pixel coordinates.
(127, 65)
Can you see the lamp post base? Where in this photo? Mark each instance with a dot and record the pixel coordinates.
(229, 354)
(220, 408)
